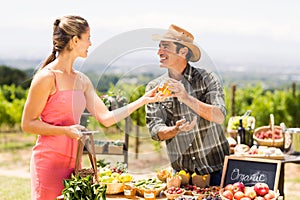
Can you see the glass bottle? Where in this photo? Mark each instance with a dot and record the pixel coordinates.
(249, 133)
(241, 133)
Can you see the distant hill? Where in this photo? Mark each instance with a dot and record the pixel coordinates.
(242, 74)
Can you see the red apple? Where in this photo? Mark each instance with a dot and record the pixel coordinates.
(269, 196)
(228, 194)
(238, 186)
(229, 187)
(261, 189)
(245, 198)
(238, 195)
(249, 192)
(259, 198)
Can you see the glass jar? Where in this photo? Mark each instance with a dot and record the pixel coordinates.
(129, 191)
(150, 193)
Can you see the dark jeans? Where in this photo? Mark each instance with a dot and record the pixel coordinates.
(215, 178)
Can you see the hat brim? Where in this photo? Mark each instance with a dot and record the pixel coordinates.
(195, 50)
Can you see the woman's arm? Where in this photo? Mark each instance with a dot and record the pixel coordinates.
(98, 109)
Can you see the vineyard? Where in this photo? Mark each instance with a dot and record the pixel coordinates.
(283, 103)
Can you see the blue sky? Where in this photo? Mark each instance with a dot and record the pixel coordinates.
(231, 31)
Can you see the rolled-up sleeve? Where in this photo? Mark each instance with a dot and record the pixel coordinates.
(215, 94)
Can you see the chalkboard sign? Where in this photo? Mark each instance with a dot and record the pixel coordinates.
(250, 171)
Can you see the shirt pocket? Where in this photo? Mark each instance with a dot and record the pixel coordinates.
(168, 104)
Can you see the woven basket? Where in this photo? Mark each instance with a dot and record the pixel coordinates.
(92, 156)
(270, 142)
(113, 188)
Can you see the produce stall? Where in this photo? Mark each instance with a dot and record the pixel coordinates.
(272, 143)
(262, 178)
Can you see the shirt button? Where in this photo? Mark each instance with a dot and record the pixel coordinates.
(193, 158)
(190, 145)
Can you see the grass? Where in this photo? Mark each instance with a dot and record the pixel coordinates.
(12, 188)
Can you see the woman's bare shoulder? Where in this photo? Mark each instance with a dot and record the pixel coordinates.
(44, 77)
(86, 80)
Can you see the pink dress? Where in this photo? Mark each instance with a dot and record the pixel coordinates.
(53, 157)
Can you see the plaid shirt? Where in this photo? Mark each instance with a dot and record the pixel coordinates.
(204, 147)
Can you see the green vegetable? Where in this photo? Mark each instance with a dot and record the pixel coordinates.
(83, 189)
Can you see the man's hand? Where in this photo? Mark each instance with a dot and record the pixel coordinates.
(177, 89)
(183, 125)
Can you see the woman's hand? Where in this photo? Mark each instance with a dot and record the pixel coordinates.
(74, 131)
(154, 96)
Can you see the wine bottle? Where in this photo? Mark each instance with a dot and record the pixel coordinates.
(249, 133)
(241, 133)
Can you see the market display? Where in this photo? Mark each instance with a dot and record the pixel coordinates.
(182, 185)
(238, 191)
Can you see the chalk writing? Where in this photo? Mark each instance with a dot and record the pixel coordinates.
(251, 171)
(254, 178)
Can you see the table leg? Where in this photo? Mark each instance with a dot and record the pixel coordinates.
(281, 180)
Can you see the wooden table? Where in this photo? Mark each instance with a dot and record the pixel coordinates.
(121, 196)
(287, 159)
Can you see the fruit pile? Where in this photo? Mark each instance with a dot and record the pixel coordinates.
(238, 191)
(175, 190)
(208, 193)
(114, 173)
(267, 134)
(163, 174)
(182, 178)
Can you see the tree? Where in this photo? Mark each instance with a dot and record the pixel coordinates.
(9, 76)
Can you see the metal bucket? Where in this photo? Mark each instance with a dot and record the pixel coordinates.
(293, 134)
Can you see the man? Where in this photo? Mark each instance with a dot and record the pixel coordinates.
(189, 121)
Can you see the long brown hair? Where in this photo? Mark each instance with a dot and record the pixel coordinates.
(64, 29)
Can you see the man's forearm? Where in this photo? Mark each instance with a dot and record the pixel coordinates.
(167, 132)
(206, 111)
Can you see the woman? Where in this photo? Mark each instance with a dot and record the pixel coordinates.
(57, 97)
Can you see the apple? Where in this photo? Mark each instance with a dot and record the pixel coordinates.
(245, 198)
(259, 198)
(238, 186)
(125, 177)
(261, 189)
(228, 194)
(238, 195)
(249, 192)
(269, 196)
(115, 175)
(229, 187)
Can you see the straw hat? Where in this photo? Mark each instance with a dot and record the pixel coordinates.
(179, 35)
